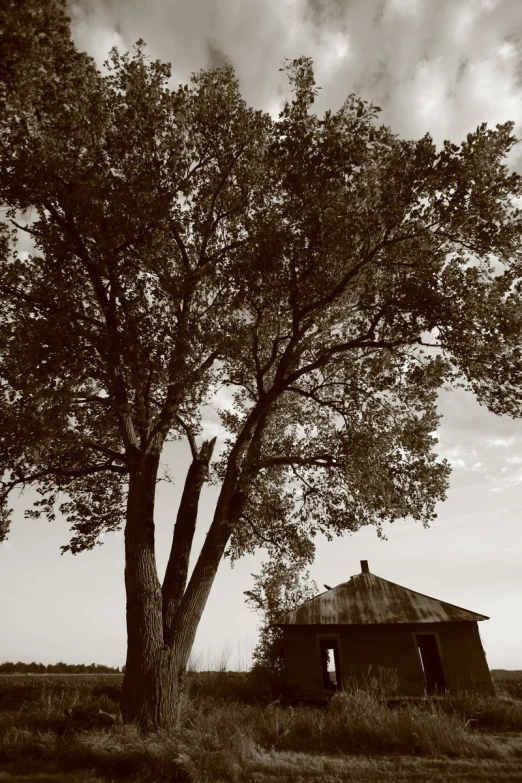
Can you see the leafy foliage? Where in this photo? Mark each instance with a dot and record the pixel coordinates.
(115, 169)
(279, 586)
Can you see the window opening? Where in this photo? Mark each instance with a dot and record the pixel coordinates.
(431, 663)
(330, 669)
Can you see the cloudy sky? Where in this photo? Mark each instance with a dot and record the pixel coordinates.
(438, 66)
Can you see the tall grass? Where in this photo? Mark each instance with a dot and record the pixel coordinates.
(358, 722)
(484, 712)
(222, 730)
(225, 660)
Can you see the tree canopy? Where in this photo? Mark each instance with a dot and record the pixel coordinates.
(325, 275)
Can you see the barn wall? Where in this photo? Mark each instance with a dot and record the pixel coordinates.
(302, 664)
(388, 646)
(463, 658)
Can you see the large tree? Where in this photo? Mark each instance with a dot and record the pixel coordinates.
(330, 275)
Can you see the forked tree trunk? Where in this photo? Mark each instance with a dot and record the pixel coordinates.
(155, 669)
(178, 564)
(161, 627)
(150, 685)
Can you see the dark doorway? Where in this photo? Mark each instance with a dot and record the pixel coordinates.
(431, 663)
(330, 669)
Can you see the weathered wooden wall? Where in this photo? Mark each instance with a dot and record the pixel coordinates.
(389, 646)
(463, 658)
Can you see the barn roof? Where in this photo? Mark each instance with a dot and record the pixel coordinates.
(367, 599)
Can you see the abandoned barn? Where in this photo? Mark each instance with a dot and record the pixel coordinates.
(432, 646)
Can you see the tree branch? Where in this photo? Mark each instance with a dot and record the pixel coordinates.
(107, 451)
(213, 223)
(319, 460)
(261, 537)
(227, 248)
(311, 395)
(107, 304)
(255, 354)
(181, 245)
(190, 437)
(63, 473)
(168, 412)
(177, 567)
(27, 230)
(359, 342)
(130, 242)
(353, 272)
(39, 303)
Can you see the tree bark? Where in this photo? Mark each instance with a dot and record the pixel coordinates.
(150, 685)
(175, 579)
(191, 608)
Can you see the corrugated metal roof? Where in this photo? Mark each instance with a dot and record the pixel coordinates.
(367, 599)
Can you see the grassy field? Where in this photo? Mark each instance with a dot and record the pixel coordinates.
(508, 683)
(228, 732)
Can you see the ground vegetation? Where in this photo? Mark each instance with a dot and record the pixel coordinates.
(59, 729)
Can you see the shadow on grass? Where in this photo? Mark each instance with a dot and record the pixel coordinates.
(285, 767)
(119, 754)
(28, 771)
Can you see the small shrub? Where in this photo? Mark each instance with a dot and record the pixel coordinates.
(215, 739)
(16, 743)
(126, 753)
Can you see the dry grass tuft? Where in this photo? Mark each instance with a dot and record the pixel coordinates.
(485, 712)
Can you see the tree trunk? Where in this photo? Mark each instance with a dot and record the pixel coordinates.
(151, 682)
(151, 688)
(228, 511)
(157, 655)
(175, 579)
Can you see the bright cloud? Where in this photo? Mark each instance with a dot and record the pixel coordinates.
(430, 88)
(337, 51)
(456, 462)
(504, 443)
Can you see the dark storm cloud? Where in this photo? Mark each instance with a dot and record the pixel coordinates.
(215, 57)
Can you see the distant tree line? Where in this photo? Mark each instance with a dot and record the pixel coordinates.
(57, 668)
